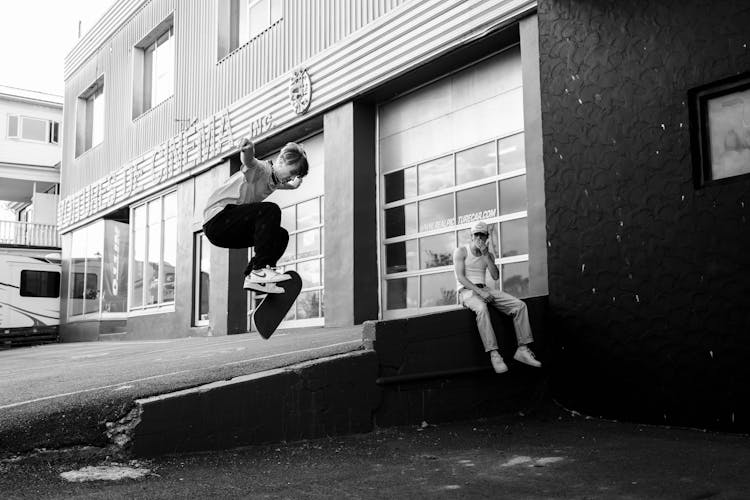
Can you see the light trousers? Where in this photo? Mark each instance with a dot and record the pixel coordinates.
(506, 304)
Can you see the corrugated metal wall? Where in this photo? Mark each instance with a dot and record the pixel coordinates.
(203, 84)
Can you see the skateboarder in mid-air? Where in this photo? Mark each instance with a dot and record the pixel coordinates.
(237, 217)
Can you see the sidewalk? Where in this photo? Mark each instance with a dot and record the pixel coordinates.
(550, 454)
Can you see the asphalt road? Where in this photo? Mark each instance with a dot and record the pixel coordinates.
(518, 456)
(64, 394)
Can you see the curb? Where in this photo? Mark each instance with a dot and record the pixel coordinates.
(329, 396)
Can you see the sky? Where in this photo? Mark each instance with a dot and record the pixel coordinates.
(35, 37)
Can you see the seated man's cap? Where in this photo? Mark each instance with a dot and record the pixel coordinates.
(479, 227)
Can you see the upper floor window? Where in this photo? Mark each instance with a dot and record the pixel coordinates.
(242, 20)
(153, 68)
(90, 117)
(33, 129)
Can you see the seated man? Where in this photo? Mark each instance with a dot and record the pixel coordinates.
(471, 263)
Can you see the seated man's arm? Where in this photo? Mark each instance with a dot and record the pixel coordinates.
(459, 267)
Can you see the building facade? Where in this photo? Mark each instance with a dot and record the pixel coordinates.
(578, 131)
(30, 154)
(413, 133)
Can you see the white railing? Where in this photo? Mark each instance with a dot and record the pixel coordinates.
(28, 234)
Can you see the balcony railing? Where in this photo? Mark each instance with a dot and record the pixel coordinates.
(28, 234)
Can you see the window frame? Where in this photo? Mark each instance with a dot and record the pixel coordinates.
(85, 117)
(455, 228)
(230, 24)
(285, 265)
(144, 74)
(51, 129)
(161, 305)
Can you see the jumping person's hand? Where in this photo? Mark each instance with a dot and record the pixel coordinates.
(294, 182)
(247, 151)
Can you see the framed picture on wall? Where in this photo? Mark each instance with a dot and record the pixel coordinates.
(720, 130)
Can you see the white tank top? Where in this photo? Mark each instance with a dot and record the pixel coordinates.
(475, 268)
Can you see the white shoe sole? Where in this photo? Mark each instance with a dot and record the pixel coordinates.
(263, 287)
(275, 279)
(520, 359)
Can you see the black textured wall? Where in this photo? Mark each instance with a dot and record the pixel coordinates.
(649, 278)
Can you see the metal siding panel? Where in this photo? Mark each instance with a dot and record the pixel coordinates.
(203, 85)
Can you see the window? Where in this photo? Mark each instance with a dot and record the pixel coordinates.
(153, 68)
(304, 254)
(40, 284)
(428, 209)
(33, 129)
(85, 270)
(90, 117)
(451, 153)
(201, 279)
(242, 20)
(154, 240)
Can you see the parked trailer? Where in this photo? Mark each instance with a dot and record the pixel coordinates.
(29, 299)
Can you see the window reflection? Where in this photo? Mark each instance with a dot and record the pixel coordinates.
(511, 152)
(477, 203)
(308, 243)
(514, 237)
(310, 273)
(288, 218)
(513, 195)
(169, 257)
(438, 290)
(401, 184)
(476, 163)
(437, 251)
(436, 175)
(516, 278)
(402, 256)
(401, 220)
(401, 293)
(436, 213)
(308, 305)
(139, 255)
(308, 214)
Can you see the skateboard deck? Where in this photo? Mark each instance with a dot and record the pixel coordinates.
(274, 306)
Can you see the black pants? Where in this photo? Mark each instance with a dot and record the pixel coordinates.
(253, 224)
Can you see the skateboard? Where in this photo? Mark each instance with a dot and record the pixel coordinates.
(274, 306)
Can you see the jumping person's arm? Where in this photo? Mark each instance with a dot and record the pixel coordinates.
(247, 155)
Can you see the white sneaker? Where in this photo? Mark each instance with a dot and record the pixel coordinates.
(267, 275)
(261, 287)
(524, 355)
(497, 362)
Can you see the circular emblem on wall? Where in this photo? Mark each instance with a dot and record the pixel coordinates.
(300, 90)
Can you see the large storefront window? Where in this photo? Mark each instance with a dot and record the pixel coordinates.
(154, 252)
(98, 270)
(450, 154)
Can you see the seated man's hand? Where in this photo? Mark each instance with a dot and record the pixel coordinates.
(485, 295)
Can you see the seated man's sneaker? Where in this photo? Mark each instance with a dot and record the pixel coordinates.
(497, 362)
(261, 287)
(524, 355)
(267, 275)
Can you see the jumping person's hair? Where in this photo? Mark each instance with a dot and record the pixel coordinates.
(294, 154)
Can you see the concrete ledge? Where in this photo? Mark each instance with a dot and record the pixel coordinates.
(433, 367)
(328, 396)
